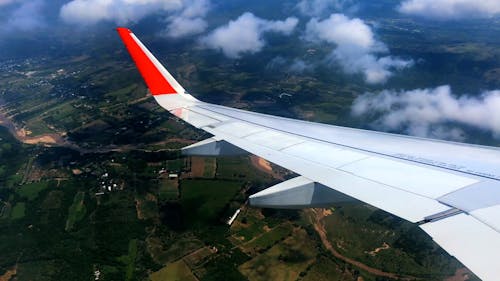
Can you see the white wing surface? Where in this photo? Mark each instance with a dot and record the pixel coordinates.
(451, 189)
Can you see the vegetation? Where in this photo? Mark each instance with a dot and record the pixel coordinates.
(284, 261)
(131, 259)
(30, 191)
(203, 201)
(168, 190)
(177, 271)
(76, 211)
(268, 239)
(18, 211)
(210, 166)
(358, 231)
(12, 155)
(325, 269)
(57, 222)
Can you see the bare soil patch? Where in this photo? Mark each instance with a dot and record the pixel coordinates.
(7, 276)
(197, 167)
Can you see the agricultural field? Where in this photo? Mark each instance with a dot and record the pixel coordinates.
(19, 211)
(76, 211)
(237, 168)
(152, 227)
(31, 191)
(283, 261)
(203, 201)
(325, 269)
(267, 239)
(168, 190)
(177, 271)
(86, 156)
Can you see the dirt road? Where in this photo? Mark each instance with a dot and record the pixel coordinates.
(317, 216)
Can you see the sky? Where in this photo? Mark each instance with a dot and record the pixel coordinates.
(354, 45)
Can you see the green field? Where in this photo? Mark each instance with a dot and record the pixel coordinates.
(147, 206)
(12, 155)
(18, 211)
(253, 226)
(175, 165)
(30, 191)
(132, 256)
(76, 211)
(268, 239)
(38, 127)
(210, 166)
(239, 168)
(177, 271)
(53, 200)
(284, 261)
(204, 200)
(168, 190)
(324, 269)
(167, 251)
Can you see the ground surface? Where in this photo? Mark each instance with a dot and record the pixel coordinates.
(86, 157)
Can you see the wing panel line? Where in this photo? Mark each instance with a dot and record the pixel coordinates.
(320, 173)
(356, 148)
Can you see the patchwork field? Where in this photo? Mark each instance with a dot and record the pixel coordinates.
(284, 261)
(177, 271)
(74, 109)
(30, 191)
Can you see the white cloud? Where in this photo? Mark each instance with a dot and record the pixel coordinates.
(356, 48)
(181, 26)
(28, 16)
(190, 20)
(299, 66)
(183, 17)
(321, 7)
(119, 11)
(450, 9)
(245, 34)
(431, 112)
(341, 30)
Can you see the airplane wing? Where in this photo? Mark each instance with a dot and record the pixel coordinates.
(452, 190)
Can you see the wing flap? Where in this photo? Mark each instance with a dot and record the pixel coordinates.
(470, 241)
(489, 216)
(407, 205)
(427, 182)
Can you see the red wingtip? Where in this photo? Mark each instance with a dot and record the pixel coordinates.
(123, 30)
(155, 80)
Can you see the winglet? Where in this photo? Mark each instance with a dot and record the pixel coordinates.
(157, 78)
